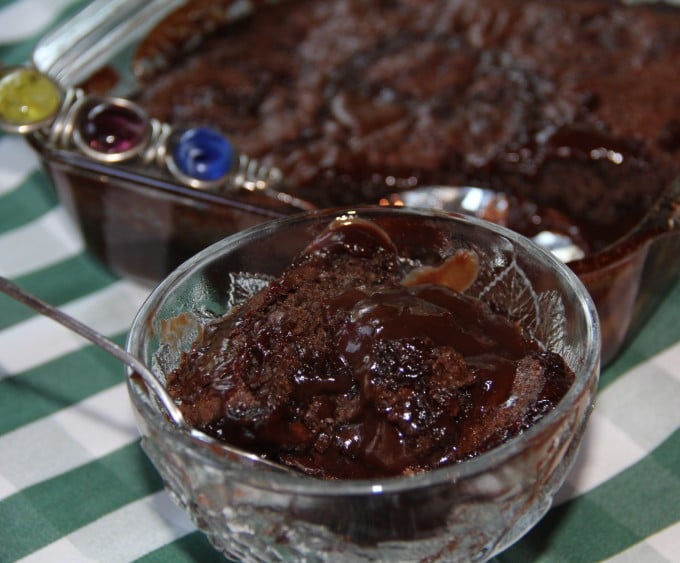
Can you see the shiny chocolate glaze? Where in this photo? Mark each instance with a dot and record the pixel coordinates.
(340, 370)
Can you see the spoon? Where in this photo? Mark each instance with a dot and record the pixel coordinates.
(485, 204)
(149, 378)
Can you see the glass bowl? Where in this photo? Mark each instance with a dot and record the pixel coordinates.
(462, 512)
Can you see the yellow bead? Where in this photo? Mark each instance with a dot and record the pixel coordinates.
(27, 96)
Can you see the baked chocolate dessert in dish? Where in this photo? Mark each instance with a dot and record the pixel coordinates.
(571, 104)
(357, 363)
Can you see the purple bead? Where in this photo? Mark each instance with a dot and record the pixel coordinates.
(204, 154)
(109, 128)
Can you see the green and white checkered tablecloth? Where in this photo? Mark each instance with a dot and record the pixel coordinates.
(75, 485)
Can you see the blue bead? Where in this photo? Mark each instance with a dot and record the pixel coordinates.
(204, 154)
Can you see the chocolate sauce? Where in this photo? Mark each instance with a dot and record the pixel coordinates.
(339, 369)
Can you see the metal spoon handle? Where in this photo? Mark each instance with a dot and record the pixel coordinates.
(98, 339)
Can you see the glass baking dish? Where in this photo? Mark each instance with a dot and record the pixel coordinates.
(141, 218)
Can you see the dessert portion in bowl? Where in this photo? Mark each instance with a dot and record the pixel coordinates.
(356, 363)
(436, 372)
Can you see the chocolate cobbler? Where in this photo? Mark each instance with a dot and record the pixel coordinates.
(571, 104)
(357, 363)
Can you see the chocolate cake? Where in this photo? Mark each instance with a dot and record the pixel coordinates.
(572, 104)
(356, 363)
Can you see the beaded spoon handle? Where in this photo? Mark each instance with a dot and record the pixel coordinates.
(114, 130)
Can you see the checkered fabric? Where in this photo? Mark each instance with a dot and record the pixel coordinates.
(75, 485)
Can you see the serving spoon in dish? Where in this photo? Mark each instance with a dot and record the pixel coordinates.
(493, 206)
(661, 219)
(148, 377)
